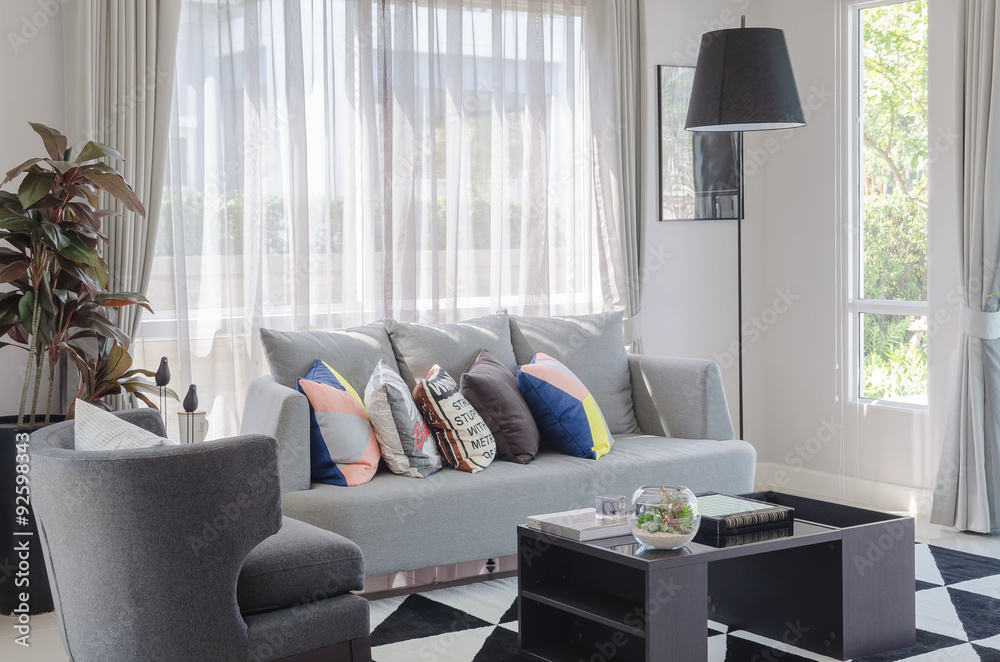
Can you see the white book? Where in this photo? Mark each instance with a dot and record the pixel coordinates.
(582, 525)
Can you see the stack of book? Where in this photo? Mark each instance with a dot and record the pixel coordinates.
(582, 525)
(734, 520)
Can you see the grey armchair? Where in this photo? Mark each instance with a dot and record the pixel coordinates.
(180, 554)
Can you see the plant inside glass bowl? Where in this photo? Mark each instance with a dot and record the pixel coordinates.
(664, 516)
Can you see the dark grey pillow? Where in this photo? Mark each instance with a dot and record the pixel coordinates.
(593, 348)
(353, 352)
(492, 391)
(454, 347)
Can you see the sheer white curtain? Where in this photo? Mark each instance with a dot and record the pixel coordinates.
(335, 162)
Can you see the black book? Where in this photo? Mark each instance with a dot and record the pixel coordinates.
(722, 514)
(733, 539)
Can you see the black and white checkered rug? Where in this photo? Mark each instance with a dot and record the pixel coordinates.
(958, 620)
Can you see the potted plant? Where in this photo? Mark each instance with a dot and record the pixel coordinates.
(55, 304)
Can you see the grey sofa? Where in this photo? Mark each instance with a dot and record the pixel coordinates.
(668, 417)
(181, 554)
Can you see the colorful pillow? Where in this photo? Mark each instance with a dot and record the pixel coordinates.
(463, 437)
(592, 347)
(406, 441)
(342, 446)
(491, 388)
(566, 413)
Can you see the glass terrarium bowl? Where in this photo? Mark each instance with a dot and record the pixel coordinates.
(663, 516)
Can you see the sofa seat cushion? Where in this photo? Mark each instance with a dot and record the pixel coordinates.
(593, 348)
(454, 347)
(300, 563)
(453, 516)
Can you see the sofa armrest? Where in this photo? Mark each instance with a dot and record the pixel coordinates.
(282, 413)
(681, 398)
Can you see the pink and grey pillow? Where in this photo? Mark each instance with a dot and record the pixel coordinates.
(342, 446)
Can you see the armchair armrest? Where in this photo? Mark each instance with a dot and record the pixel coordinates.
(283, 413)
(682, 398)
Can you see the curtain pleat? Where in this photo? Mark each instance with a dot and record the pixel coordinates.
(119, 62)
(968, 482)
(612, 33)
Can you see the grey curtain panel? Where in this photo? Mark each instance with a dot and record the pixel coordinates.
(968, 481)
(119, 63)
(612, 30)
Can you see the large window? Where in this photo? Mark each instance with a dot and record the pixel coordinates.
(336, 162)
(888, 292)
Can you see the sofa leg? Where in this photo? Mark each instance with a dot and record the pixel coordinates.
(355, 650)
(361, 649)
(491, 565)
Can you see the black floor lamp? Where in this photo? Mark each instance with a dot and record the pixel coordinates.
(743, 82)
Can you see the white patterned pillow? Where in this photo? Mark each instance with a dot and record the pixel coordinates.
(406, 442)
(98, 430)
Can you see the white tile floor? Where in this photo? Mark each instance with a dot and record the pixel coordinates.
(46, 644)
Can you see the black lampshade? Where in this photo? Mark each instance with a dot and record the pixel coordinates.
(744, 82)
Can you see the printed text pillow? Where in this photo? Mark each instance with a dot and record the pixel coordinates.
(463, 437)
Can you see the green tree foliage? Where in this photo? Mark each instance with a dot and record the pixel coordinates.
(894, 193)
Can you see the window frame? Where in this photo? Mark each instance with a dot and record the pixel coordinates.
(857, 304)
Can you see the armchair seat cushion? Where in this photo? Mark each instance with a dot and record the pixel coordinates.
(299, 564)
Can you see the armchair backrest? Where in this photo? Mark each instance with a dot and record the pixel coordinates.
(144, 546)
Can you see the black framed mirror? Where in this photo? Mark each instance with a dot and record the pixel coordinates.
(699, 172)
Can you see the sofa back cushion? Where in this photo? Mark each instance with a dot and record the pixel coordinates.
(419, 347)
(593, 348)
(355, 352)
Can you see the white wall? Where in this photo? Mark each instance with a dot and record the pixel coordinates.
(690, 284)
(31, 74)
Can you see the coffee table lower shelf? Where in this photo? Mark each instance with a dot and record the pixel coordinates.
(558, 652)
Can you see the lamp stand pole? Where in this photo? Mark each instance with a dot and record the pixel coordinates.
(739, 275)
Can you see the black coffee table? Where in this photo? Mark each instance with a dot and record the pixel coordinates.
(842, 585)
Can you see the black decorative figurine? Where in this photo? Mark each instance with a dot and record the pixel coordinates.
(162, 379)
(190, 405)
(191, 400)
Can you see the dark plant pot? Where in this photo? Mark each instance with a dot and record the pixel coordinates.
(15, 533)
